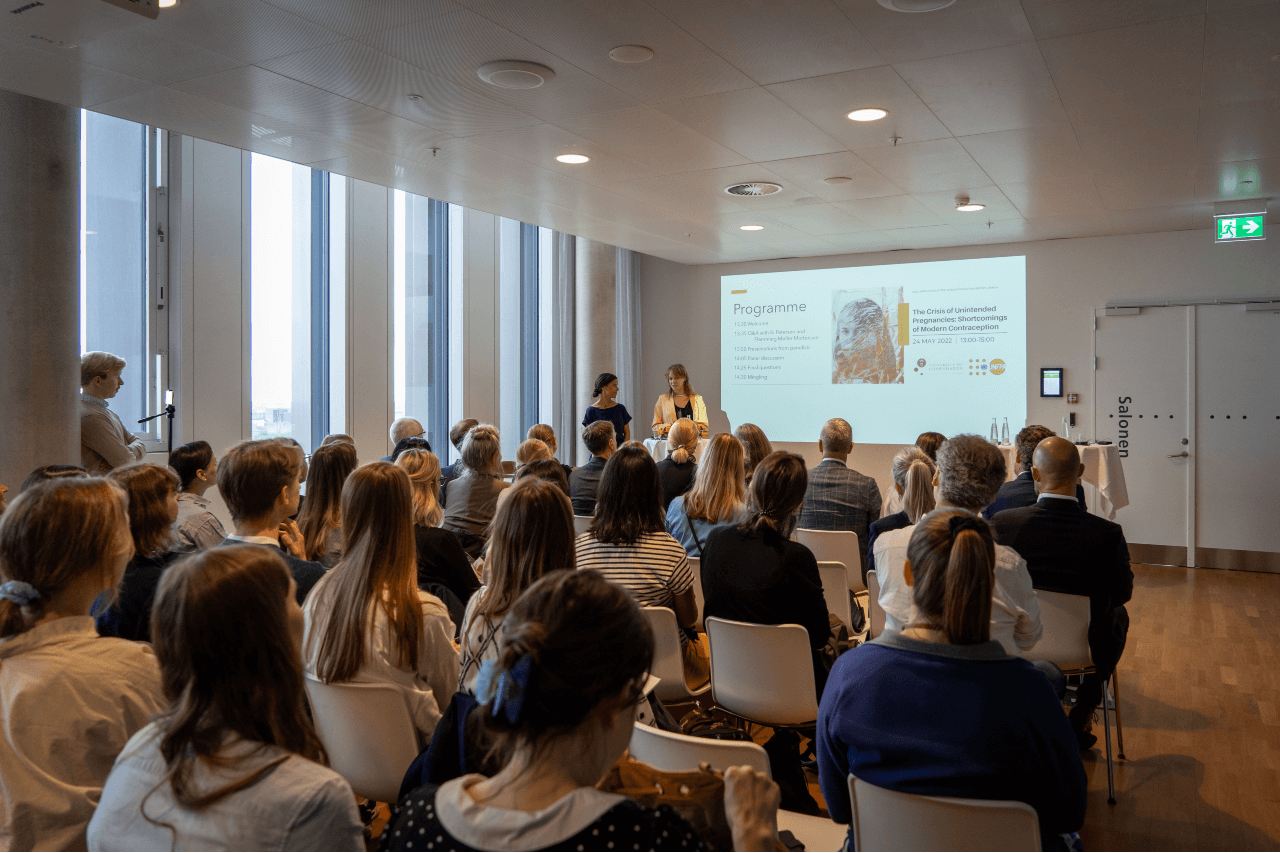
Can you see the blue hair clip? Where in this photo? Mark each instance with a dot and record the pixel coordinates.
(513, 684)
(20, 593)
(487, 680)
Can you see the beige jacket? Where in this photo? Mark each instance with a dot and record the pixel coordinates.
(105, 443)
(664, 414)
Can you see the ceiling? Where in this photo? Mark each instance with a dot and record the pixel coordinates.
(1066, 118)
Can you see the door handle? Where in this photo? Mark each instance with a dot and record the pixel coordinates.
(1183, 455)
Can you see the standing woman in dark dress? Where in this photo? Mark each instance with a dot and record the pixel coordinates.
(607, 408)
(441, 559)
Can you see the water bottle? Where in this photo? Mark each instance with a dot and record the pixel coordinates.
(1004, 433)
(995, 432)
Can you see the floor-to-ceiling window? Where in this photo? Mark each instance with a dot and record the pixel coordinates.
(523, 320)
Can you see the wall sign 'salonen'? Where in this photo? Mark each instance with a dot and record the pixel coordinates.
(1237, 229)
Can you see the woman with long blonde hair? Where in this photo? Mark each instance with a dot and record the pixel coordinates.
(718, 496)
(320, 518)
(913, 473)
(441, 560)
(366, 620)
(679, 468)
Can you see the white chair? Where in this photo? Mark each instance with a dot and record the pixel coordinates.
(581, 523)
(763, 673)
(892, 820)
(876, 626)
(835, 589)
(837, 545)
(676, 752)
(1065, 642)
(367, 732)
(667, 661)
(695, 566)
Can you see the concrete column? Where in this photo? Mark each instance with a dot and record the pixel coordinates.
(594, 321)
(39, 285)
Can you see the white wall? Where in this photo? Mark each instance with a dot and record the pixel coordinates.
(1066, 280)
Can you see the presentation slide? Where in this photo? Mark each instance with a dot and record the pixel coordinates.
(895, 350)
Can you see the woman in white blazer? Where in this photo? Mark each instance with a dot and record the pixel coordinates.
(679, 402)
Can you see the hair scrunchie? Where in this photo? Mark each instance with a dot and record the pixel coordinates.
(20, 593)
(504, 688)
(959, 523)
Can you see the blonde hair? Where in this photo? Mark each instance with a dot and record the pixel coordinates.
(482, 450)
(423, 468)
(532, 449)
(682, 441)
(719, 489)
(678, 370)
(913, 471)
(545, 434)
(95, 364)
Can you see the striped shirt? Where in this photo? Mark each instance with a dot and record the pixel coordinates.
(654, 570)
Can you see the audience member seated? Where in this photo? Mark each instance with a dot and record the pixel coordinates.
(532, 535)
(584, 482)
(1021, 490)
(402, 428)
(321, 519)
(197, 528)
(757, 447)
(337, 436)
(607, 408)
(457, 435)
(545, 434)
(970, 471)
(530, 450)
(367, 621)
(838, 497)
(1068, 550)
(405, 444)
(300, 455)
(559, 706)
(929, 442)
(234, 762)
(679, 402)
(105, 442)
(259, 481)
(912, 473)
(718, 496)
(941, 708)
(70, 699)
(153, 507)
(441, 559)
(678, 469)
(628, 544)
(471, 500)
(45, 473)
(542, 469)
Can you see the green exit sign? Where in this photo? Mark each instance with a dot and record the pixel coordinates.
(1236, 229)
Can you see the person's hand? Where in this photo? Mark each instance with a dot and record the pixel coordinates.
(291, 539)
(751, 806)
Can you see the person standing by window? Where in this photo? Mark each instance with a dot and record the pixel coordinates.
(104, 442)
(607, 408)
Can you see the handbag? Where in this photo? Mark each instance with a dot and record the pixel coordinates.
(696, 795)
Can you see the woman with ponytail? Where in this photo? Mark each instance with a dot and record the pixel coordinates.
(558, 707)
(69, 699)
(939, 708)
(320, 519)
(912, 472)
(679, 468)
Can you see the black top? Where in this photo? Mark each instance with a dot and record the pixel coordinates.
(305, 572)
(1021, 491)
(897, 521)
(685, 411)
(616, 414)
(627, 826)
(676, 478)
(130, 617)
(584, 482)
(441, 560)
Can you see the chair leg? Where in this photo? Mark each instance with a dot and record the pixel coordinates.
(1115, 692)
(1106, 729)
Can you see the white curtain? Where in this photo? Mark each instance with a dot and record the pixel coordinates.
(627, 340)
(565, 418)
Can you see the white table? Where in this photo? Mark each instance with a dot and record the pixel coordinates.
(657, 448)
(1102, 471)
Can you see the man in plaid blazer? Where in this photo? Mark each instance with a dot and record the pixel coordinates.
(839, 498)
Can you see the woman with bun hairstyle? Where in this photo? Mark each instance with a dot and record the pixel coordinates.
(679, 468)
(718, 496)
(607, 408)
(1000, 734)
(558, 705)
(471, 500)
(69, 699)
(320, 518)
(678, 402)
(913, 473)
(757, 447)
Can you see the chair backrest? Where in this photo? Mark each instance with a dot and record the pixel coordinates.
(762, 673)
(695, 566)
(667, 661)
(367, 732)
(873, 602)
(676, 752)
(1065, 641)
(835, 589)
(581, 523)
(838, 545)
(892, 820)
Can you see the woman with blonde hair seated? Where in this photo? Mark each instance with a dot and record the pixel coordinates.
(532, 449)
(441, 560)
(718, 496)
(679, 468)
(913, 473)
(679, 402)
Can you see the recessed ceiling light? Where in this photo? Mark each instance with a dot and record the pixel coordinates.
(414, 97)
(837, 180)
(573, 158)
(751, 227)
(168, 4)
(630, 54)
(915, 5)
(968, 206)
(515, 74)
(868, 114)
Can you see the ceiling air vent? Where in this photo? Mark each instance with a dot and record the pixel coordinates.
(755, 188)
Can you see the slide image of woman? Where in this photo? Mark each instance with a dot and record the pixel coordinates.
(865, 348)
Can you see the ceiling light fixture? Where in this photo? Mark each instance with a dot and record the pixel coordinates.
(631, 54)
(751, 227)
(868, 114)
(515, 74)
(915, 5)
(573, 159)
(414, 97)
(837, 180)
(168, 4)
(965, 206)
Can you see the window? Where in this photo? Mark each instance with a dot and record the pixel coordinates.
(524, 320)
(421, 310)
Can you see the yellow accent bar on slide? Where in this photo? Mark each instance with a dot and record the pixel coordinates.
(737, 291)
(904, 323)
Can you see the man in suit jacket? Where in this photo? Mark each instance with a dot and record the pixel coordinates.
(600, 439)
(838, 497)
(1068, 550)
(1021, 490)
(260, 480)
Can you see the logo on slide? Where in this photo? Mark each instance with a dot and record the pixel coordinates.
(997, 366)
(920, 363)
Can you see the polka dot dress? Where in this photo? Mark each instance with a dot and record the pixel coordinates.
(627, 826)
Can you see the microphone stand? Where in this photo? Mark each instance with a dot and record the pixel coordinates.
(168, 411)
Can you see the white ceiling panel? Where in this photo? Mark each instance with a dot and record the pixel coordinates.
(541, 144)
(1053, 198)
(1241, 46)
(1057, 18)
(1242, 179)
(1243, 131)
(770, 41)
(1095, 224)
(996, 207)
(964, 26)
(59, 77)
(63, 24)
(752, 122)
(697, 193)
(1152, 186)
(941, 165)
(819, 220)
(139, 53)
(355, 18)
(864, 241)
(808, 175)
(649, 136)
(248, 30)
(1049, 152)
(925, 237)
(1151, 220)
(901, 211)
(1140, 138)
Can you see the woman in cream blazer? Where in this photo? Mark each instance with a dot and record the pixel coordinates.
(679, 402)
